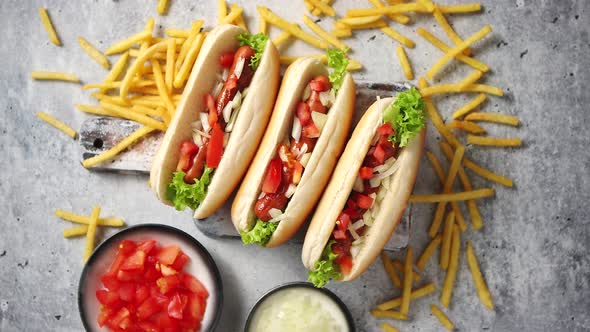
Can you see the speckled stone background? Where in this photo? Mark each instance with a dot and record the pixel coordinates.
(535, 244)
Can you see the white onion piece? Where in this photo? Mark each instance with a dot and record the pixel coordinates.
(374, 182)
(204, 134)
(367, 218)
(378, 98)
(283, 154)
(290, 190)
(232, 120)
(239, 67)
(302, 151)
(358, 224)
(237, 101)
(306, 93)
(319, 119)
(355, 249)
(296, 130)
(262, 194)
(388, 172)
(373, 195)
(353, 233)
(278, 218)
(358, 184)
(386, 165)
(197, 125)
(227, 111)
(225, 74)
(197, 139)
(325, 98)
(305, 159)
(381, 194)
(217, 89)
(205, 121)
(274, 212)
(225, 139)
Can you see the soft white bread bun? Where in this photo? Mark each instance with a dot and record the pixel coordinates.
(340, 186)
(248, 128)
(322, 160)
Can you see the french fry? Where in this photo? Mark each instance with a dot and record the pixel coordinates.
(487, 174)
(232, 15)
(407, 290)
(49, 28)
(325, 35)
(476, 219)
(54, 76)
(162, 7)
(262, 28)
(403, 19)
(442, 21)
(388, 328)
(467, 126)
(176, 33)
(162, 89)
(451, 275)
(95, 54)
(456, 50)
(416, 294)
(445, 249)
(453, 197)
(146, 110)
(473, 77)
(170, 61)
(373, 25)
(493, 117)
(480, 284)
(282, 38)
(398, 37)
(399, 267)
(460, 9)
(274, 19)
(239, 21)
(470, 106)
(428, 252)
(97, 110)
(352, 21)
(57, 124)
(124, 113)
(112, 152)
(188, 62)
(442, 318)
(125, 44)
(193, 33)
(453, 88)
(116, 71)
(317, 11)
(426, 5)
(91, 233)
(340, 33)
(389, 314)
(221, 10)
(443, 47)
(493, 141)
(436, 119)
(75, 231)
(395, 9)
(395, 280)
(403, 59)
(134, 68)
(450, 179)
(323, 7)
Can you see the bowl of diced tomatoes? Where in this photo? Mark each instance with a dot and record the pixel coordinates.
(150, 278)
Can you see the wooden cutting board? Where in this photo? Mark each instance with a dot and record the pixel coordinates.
(99, 134)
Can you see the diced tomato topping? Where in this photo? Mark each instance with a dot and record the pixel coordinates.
(126, 247)
(148, 308)
(134, 262)
(273, 177)
(366, 173)
(215, 147)
(176, 306)
(106, 297)
(339, 234)
(297, 172)
(385, 129)
(379, 154)
(166, 270)
(226, 59)
(133, 275)
(104, 316)
(311, 131)
(148, 326)
(345, 263)
(180, 262)
(168, 283)
(324, 81)
(195, 308)
(120, 316)
(116, 265)
(142, 292)
(110, 282)
(303, 113)
(353, 213)
(363, 201)
(343, 221)
(167, 255)
(127, 292)
(146, 246)
(194, 285)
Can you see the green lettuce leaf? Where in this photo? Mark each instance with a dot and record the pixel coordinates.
(182, 194)
(257, 42)
(338, 61)
(406, 116)
(326, 268)
(260, 233)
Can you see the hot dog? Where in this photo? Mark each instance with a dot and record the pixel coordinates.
(368, 192)
(304, 138)
(219, 122)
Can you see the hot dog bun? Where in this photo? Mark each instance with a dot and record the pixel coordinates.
(248, 128)
(320, 165)
(340, 186)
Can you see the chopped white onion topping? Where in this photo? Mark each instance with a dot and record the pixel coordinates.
(296, 130)
(319, 119)
(302, 151)
(274, 212)
(227, 111)
(232, 120)
(225, 74)
(305, 159)
(388, 172)
(290, 190)
(367, 218)
(358, 184)
(353, 233)
(197, 125)
(327, 98)
(217, 89)
(237, 101)
(283, 154)
(355, 249)
(374, 182)
(262, 194)
(204, 134)
(378, 98)
(205, 121)
(239, 67)
(386, 165)
(381, 194)
(358, 224)
(306, 93)
(373, 195)
(197, 139)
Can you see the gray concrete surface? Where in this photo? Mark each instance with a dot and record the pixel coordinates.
(533, 249)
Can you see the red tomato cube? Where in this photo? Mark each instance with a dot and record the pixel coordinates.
(168, 283)
(134, 262)
(176, 306)
(126, 247)
(195, 308)
(215, 147)
(146, 246)
(385, 129)
(194, 285)
(364, 201)
(106, 297)
(180, 262)
(226, 59)
(167, 271)
(110, 282)
(142, 292)
(149, 307)
(366, 173)
(167, 255)
(379, 154)
(345, 263)
(127, 292)
(311, 131)
(343, 221)
(339, 234)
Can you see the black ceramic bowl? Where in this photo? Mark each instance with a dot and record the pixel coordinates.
(201, 266)
(306, 285)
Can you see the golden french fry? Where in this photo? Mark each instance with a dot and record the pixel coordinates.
(49, 28)
(403, 19)
(407, 290)
(445, 249)
(399, 267)
(162, 7)
(470, 106)
(460, 196)
(323, 7)
(85, 220)
(467, 126)
(221, 10)
(395, 280)
(75, 231)
(403, 59)
(442, 21)
(340, 33)
(389, 314)
(134, 68)
(54, 76)
(473, 77)
(234, 13)
(388, 328)
(428, 252)
(162, 89)
(112, 152)
(460, 9)
(325, 35)
(398, 37)
(188, 62)
(91, 233)
(444, 320)
(170, 62)
(435, 117)
(359, 20)
(480, 284)
(125, 44)
(493, 117)
(451, 275)
(395, 9)
(493, 141)
(97, 110)
(416, 294)
(116, 71)
(454, 88)
(176, 33)
(124, 113)
(274, 19)
(94, 53)
(57, 124)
